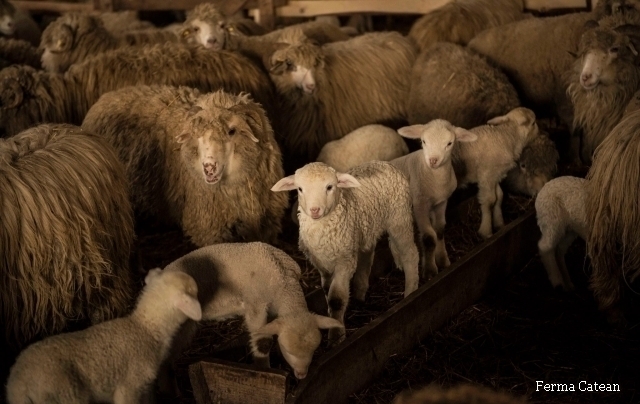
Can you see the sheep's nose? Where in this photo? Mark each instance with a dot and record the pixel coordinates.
(586, 76)
(10, 24)
(310, 86)
(315, 211)
(212, 41)
(433, 161)
(210, 168)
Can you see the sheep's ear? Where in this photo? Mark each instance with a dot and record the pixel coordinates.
(632, 49)
(285, 184)
(269, 329)
(274, 66)
(151, 275)
(189, 306)
(591, 24)
(183, 137)
(464, 135)
(573, 54)
(324, 322)
(185, 32)
(252, 114)
(194, 110)
(498, 120)
(411, 132)
(347, 181)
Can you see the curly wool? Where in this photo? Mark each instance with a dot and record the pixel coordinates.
(65, 234)
(145, 120)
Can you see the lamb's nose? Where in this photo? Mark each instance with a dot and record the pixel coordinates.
(433, 161)
(315, 211)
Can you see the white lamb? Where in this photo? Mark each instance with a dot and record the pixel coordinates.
(367, 143)
(487, 161)
(561, 214)
(432, 181)
(256, 281)
(115, 361)
(342, 216)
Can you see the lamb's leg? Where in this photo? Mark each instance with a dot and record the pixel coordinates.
(361, 277)
(498, 220)
(339, 298)
(547, 247)
(486, 198)
(439, 222)
(561, 250)
(254, 319)
(428, 243)
(404, 251)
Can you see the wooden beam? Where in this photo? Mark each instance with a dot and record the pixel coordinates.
(315, 8)
(543, 5)
(362, 356)
(267, 14)
(52, 6)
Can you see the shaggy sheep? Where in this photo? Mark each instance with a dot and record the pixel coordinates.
(613, 212)
(16, 51)
(207, 26)
(342, 217)
(453, 83)
(256, 280)
(462, 394)
(537, 165)
(74, 37)
(604, 78)
(432, 181)
(66, 217)
(18, 24)
(368, 143)
(118, 22)
(487, 161)
(332, 90)
(633, 105)
(28, 97)
(560, 210)
(217, 185)
(116, 361)
(459, 21)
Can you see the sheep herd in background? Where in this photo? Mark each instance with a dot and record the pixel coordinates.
(107, 118)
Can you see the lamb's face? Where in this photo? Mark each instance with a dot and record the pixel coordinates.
(295, 66)
(210, 34)
(603, 51)
(218, 144)
(318, 191)
(297, 343)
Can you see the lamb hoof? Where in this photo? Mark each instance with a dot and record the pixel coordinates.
(444, 262)
(485, 234)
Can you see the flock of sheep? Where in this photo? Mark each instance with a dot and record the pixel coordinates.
(110, 120)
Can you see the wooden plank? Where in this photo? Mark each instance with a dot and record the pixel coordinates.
(52, 6)
(543, 5)
(267, 16)
(363, 355)
(315, 8)
(235, 383)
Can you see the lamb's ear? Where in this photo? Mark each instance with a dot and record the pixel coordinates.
(151, 275)
(411, 132)
(285, 184)
(189, 306)
(464, 135)
(268, 330)
(347, 181)
(498, 120)
(325, 322)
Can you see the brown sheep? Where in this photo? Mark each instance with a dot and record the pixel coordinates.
(16, 51)
(332, 90)
(537, 165)
(459, 21)
(215, 159)
(613, 213)
(604, 79)
(65, 234)
(28, 97)
(453, 83)
(462, 394)
(74, 37)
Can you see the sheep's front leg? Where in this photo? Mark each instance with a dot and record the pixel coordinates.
(254, 319)
(486, 198)
(547, 248)
(439, 222)
(363, 271)
(561, 250)
(428, 242)
(498, 220)
(338, 298)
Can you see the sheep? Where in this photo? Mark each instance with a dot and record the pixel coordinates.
(560, 211)
(28, 97)
(537, 165)
(461, 394)
(633, 105)
(342, 216)
(16, 51)
(604, 79)
(206, 25)
(332, 90)
(368, 143)
(432, 181)
(66, 217)
(453, 83)
(216, 183)
(118, 22)
(459, 21)
(18, 24)
(116, 361)
(74, 37)
(487, 161)
(256, 281)
(613, 214)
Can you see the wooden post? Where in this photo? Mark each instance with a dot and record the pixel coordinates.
(103, 5)
(267, 14)
(235, 383)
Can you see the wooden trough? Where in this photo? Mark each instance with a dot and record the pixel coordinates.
(352, 365)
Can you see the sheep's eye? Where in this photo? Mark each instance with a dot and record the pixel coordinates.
(196, 29)
(614, 49)
(523, 166)
(221, 24)
(232, 131)
(329, 187)
(289, 63)
(449, 144)
(300, 189)
(422, 141)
